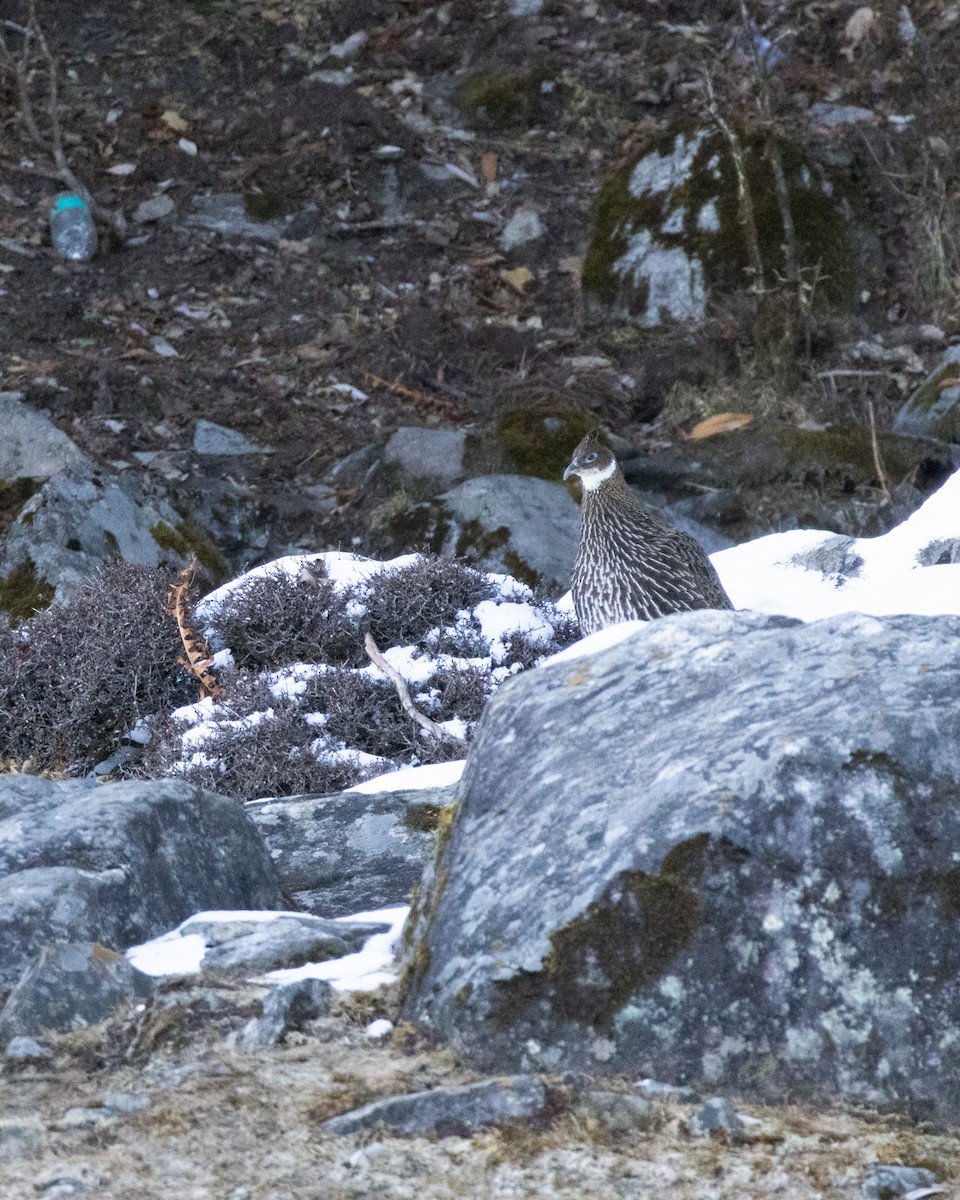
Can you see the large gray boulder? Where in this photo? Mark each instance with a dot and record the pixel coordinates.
(723, 852)
(32, 447)
(84, 516)
(513, 524)
(118, 864)
(352, 851)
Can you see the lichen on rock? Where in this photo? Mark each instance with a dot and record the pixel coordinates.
(669, 234)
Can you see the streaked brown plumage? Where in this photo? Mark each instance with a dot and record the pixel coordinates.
(631, 564)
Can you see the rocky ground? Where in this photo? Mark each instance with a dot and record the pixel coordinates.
(205, 1120)
(344, 219)
(405, 194)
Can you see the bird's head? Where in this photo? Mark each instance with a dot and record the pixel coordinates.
(592, 461)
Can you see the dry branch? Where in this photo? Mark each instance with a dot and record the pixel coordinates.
(198, 659)
(19, 66)
(744, 199)
(431, 728)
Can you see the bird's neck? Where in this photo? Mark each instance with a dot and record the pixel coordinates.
(607, 488)
(596, 479)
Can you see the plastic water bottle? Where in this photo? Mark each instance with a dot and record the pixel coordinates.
(72, 229)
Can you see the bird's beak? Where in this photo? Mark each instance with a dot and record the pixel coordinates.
(571, 470)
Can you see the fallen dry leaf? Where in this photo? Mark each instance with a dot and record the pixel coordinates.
(174, 121)
(719, 423)
(518, 279)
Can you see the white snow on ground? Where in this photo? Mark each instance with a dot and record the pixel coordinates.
(433, 775)
(759, 575)
(181, 952)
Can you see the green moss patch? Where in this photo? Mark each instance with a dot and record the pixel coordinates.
(187, 538)
(622, 942)
(539, 442)
(498, 100)
(681, 194)
(22, 593)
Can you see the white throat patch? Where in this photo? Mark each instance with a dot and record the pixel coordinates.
(591, 480)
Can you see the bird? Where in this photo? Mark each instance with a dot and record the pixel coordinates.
(631, 564)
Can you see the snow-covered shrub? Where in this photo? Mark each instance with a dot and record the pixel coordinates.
(290, 642)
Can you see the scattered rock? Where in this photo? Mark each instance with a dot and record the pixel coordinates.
(26, 1051)
(353, 851)
(447, 1110)
(288, 1007)
(933, 410)
(716, 1115)
(891, 1183)
(154, 209)
(611, 945)
(524, 226)
(524, 527)
(32, 447)
(85, 516)
(212, 439)
(285, 940)
(428, 453)
(618, 1113)
(356, 469)
(833, 116)
(119, 864)
(226, 214)
(70, 985)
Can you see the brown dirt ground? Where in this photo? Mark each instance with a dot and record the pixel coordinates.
(236, 1126)
(425, 306)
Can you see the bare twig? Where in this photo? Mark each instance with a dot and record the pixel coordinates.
(429, 727)
(875, 447)
(853, 372)
(19, 66)
(744, 200)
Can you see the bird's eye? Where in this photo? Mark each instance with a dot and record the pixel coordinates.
(591, 457)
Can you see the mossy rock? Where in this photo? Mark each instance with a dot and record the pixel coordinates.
(22, 592)
(495, 99)
(622, 942)
(933, 410)
(540, 442)
(839, 455)
(187, 538)
(668, 234)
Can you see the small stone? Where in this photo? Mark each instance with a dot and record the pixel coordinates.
(448, 1110)
(213, 439)
(832, 116)
(890, 1183)
(162, 348)
(288, 1007)
(524, 226)
(716, 1114)
(26, 1051)
(350, 47)
(651, 1089)
(428, 453)
(154, 209)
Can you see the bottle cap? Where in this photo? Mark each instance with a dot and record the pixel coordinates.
(63, 202)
